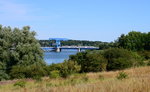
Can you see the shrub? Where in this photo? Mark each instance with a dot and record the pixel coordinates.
(54, 74)
(17, 72)
(108, 59)
(3, 76)
(53, 67)
(145, 54)
(20, 83)
(91, 61)
(95, 62)
(68, 68)
(122, 75)
(148, 63)
(31, 71)
(37, 78)
(119, 58)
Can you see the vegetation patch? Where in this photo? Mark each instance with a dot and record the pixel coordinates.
(122, 75)
(20, 83)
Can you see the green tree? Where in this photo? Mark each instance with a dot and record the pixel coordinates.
(134, 41)
(5, 48)
(19, 48)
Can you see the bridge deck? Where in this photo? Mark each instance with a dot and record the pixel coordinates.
(69, 47)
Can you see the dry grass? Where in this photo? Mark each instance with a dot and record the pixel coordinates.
(138, 81)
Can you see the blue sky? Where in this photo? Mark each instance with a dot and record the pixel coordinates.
(96, 20)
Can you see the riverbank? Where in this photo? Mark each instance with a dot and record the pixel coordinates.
(137, 80)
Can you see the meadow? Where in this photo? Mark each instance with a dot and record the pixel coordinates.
(137, 80)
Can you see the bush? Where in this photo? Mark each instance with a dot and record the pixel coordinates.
(119, 58)
(53, 67)
(145, 54)
(21, 83)
(108, 59)
(148, 63)
(37, 78)
(31, 71)
(54, 74)
(91, 61)
(68, 68)
(94, 62)
(122, 75)
(3, 76)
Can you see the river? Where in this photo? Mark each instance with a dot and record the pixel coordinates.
(58, 57)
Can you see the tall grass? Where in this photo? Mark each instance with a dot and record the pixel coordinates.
(138, 81)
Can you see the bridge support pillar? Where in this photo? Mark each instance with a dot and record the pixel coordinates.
(79, 49)
(58, 50)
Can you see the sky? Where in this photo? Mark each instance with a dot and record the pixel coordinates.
(94, 20)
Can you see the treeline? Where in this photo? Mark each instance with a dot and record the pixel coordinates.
(47, 43)
(20, 54)
(135, 41)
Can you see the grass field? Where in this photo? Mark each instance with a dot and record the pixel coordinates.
(138, 80)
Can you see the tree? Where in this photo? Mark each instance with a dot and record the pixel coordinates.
(5, 45)
(19, 48)
(135, 41)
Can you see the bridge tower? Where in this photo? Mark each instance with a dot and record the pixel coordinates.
(58, 43)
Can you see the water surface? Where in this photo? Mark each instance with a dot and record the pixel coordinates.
(58, 57)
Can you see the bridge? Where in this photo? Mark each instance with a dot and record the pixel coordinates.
(57, 46)
(79, 48)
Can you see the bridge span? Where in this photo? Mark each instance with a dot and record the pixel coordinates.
(57, 46)
(79, 48)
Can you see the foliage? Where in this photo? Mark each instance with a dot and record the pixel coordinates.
(31, 71)
(68, 68)
(145, 54)
(46, 43)
(54, 74)
(108, 59)
(90, 61)
(148, 63)
(119, 58)
(53, 67)
(64, 69)
(20, 83)
(20, 52)
(122, 75)
(4, 76)
(136, 41)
